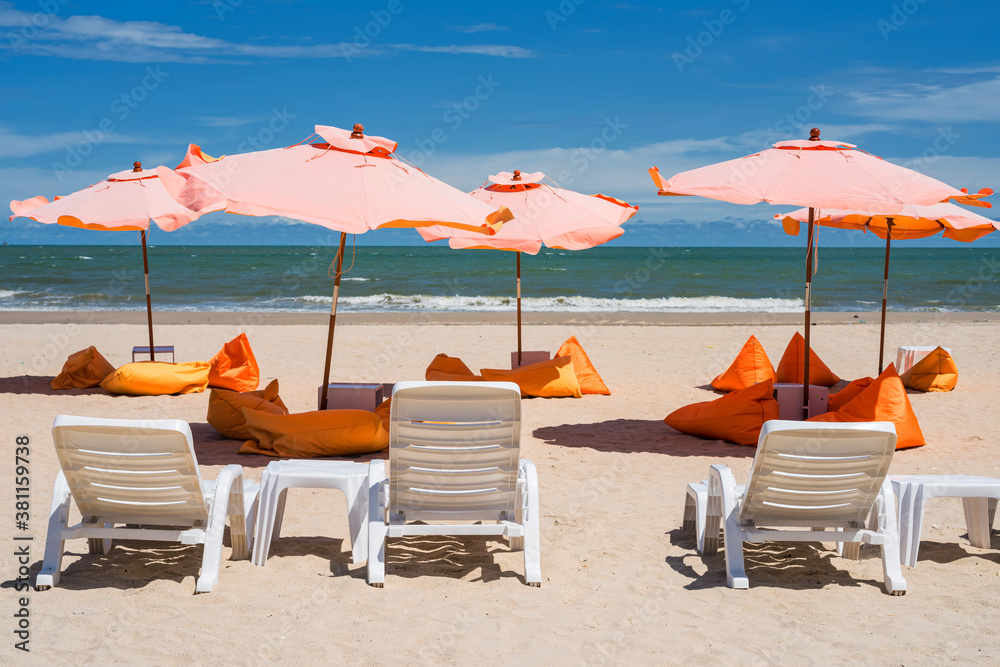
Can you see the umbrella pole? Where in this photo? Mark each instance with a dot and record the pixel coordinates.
(809, 274)
(518, 308)
(149, 301)
(885, 294)
(333, 320)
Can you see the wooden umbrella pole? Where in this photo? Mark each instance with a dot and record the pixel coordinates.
(885, 294)
(333, 319)
(149, 301)
(518, 308)
(809, 273)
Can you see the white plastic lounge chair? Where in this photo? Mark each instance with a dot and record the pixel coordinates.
(809, 477)
(142, 473)
(454, 456)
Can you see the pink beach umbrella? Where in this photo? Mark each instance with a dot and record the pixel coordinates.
(348, 182)
(124, 201)
(546, 215)
(912, 222)
(816, 174)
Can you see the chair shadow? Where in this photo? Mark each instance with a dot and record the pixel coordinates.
(40, 384)
(949, 552)
(788, 565)
(448, 556)
(636, 435)
(336, 550)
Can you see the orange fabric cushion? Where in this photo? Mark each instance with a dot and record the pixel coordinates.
(790, 368)
(935, 372)
(225, 409)
(311, 434)
(554, 378)
(234, 366)
(590, 380)
(750, 367)
(883, 400)
(86, 368)
(153, 378)
(840, 399)
(383, 412)
(442, 363)
(737, 417)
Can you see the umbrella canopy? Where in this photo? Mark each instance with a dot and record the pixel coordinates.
(552, 216)
(813, 173)
(349, 182)
(913, 222)
(126, 200)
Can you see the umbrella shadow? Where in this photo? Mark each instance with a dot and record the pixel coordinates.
(636, 435)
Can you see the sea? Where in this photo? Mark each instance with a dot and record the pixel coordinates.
(438, 279)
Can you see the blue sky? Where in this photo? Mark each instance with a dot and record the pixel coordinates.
(592, 93)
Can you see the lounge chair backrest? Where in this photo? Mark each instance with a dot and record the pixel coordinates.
(131, 471)
(454, 450)
(817, 474)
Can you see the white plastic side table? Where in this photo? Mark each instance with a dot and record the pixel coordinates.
(979, 498)
(907, 355)
(279, 476)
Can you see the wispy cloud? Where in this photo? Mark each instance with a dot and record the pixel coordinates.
(478, 49)
(224, 121)
(479, 27)
(13, 145)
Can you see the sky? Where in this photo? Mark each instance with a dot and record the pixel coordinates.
(592, 93)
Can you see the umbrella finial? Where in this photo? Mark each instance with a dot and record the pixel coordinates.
(359, 131)
(517, 175)
(814, 134)
(136, 166)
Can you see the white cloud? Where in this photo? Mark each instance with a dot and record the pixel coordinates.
(479, 27)
(21, 145)
(942, 96)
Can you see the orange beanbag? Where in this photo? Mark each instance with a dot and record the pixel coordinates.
(153, 378)
(935, 372)
(383, 412)
(234, 366)
(841, 398)
(790, 368)
(883, 400)
(590, 380)
(750, 367)
(554, 378)
(737, 417)
(225, 409)
(310, 434)
(83, 369)
(445, 368)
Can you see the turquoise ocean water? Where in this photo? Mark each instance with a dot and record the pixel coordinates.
(394, 279)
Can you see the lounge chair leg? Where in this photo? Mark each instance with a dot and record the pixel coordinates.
(377, 529)
(228, 485)
(722, 499)
(696, 512)
(532, 546)
(977, 521)
(54, 544)
(885, 506)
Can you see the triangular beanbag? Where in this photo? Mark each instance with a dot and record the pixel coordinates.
(884, 400)
(737, 417)
(790, 368)
(154, 378)
(225, 409)
(234, 367)
(311, 434)
(445, 368)
(554, 378)
(935, 372)
(83, 369)
(750, 367)
(590, 380)
(841, 398)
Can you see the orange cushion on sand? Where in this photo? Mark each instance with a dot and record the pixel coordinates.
(790, 368)
(311, 434)
(554, 378)
(443, 364)
(750, 367)
(590, 380)
(884, 400)
(153, 378)
(234, 366)
(841, 398)
(737, 417)
(225, 409)
(83, 369)
(383, 412)
(935, 372)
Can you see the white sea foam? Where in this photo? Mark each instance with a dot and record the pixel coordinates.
(84, 257)
(7, 293)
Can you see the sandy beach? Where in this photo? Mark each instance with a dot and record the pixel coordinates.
(622, 583)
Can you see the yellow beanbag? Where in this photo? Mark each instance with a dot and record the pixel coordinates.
(935, 372)
(225, 409)
(737, 417)
(234, 367)
(153, 378)
(750, 367)
(83, 369)
(590, 380)
(554, 378)
(883, 400)
(311, 434)
(790, 368)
